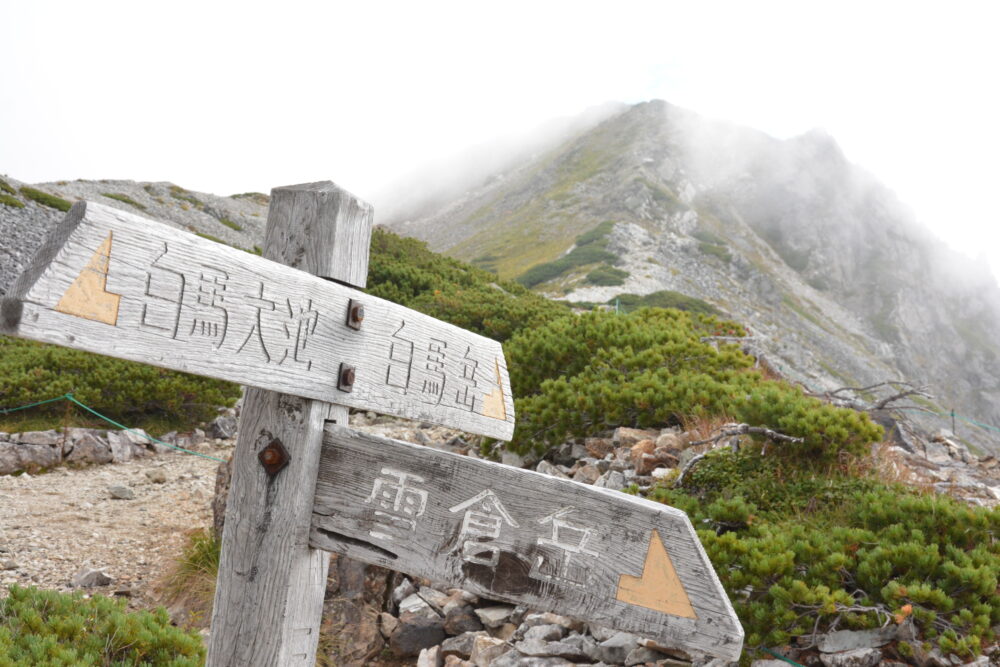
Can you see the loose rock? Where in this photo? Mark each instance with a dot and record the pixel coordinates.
(121, 492)
(90, 578)
(861, 657)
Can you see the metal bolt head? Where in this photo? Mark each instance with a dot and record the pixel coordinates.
(355, 314)
(274, 457)
(345, 378)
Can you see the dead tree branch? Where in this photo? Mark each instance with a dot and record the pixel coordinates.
(902, 389)
(729, 431)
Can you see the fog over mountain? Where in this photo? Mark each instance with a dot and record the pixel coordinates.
(838, 281)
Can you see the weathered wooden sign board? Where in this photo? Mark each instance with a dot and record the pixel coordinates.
(524, 537)
(118, 284)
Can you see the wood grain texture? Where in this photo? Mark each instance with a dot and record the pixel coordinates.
(269, 593)
(520, 536)
(333, 232)
(271, 583)
(190, 304)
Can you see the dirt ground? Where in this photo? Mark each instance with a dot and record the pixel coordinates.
(56, 524)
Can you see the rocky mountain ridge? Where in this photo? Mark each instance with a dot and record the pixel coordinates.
(837, 281)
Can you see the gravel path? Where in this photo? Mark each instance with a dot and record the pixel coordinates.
(56, 524)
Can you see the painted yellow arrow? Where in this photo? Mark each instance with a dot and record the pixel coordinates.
(659, 588)
(88, 297)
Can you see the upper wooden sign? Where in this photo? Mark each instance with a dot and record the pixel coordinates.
(520, 536)
(115, 283)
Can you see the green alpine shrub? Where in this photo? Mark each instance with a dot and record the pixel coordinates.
(41, 628)
(46, 199)
(580, 375)
(590, 249)
(799, 551)
(123, 390)
(125, 199)
(13, 202)
(405, 271)
(607, 276)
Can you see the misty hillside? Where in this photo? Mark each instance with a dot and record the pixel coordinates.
(838, 283)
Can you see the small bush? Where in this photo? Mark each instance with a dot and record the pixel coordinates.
(715, 250)
(45, 199)
(183, 195)
(210, 237)
(125, 199)
(232, 225)
(13, 202)
(607, 276)
(7, 187)
(48, 628)
(257, 197)
(664, 299)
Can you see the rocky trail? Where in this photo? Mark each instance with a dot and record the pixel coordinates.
(126, 520)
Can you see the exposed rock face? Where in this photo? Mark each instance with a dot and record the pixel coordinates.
(838, 283)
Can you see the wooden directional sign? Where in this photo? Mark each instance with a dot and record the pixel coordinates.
(520, 536)
(119, 284)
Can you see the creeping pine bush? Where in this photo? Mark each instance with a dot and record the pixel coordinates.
(124, 390)
(44, 628)
(405, 271)
(579, 375)
(799, 552)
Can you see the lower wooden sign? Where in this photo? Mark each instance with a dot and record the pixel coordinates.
(523, 537)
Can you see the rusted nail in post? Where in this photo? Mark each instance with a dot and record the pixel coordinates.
(345, 378)
(274, 457)
(355, 314)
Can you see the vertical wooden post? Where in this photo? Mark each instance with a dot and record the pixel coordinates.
(269, 595)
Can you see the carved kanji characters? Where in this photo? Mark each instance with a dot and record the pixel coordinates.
(211, 316)
(400, 501)
(400, 360)
(163, 298)
(256, 334)
(570, 540)
(435, 377)
(465, 392)
(484, 518)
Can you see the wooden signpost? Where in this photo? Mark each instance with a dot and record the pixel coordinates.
(520, 536)
(304, 484)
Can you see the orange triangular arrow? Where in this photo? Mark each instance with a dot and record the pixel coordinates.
(659, 587)
(88, 297)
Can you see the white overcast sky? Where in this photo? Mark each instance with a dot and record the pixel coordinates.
(231, 97)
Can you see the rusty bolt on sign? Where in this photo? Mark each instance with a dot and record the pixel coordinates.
(274, 457)
(345, 378)
(355, 314)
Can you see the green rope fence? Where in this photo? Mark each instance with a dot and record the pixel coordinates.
(71, 398)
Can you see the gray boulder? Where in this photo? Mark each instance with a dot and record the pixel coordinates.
(849, 640)
(123, 448)
(86, 447)
(416, 632)
(859, 657)
(223, 427)
(50, 437)
(89, 578)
